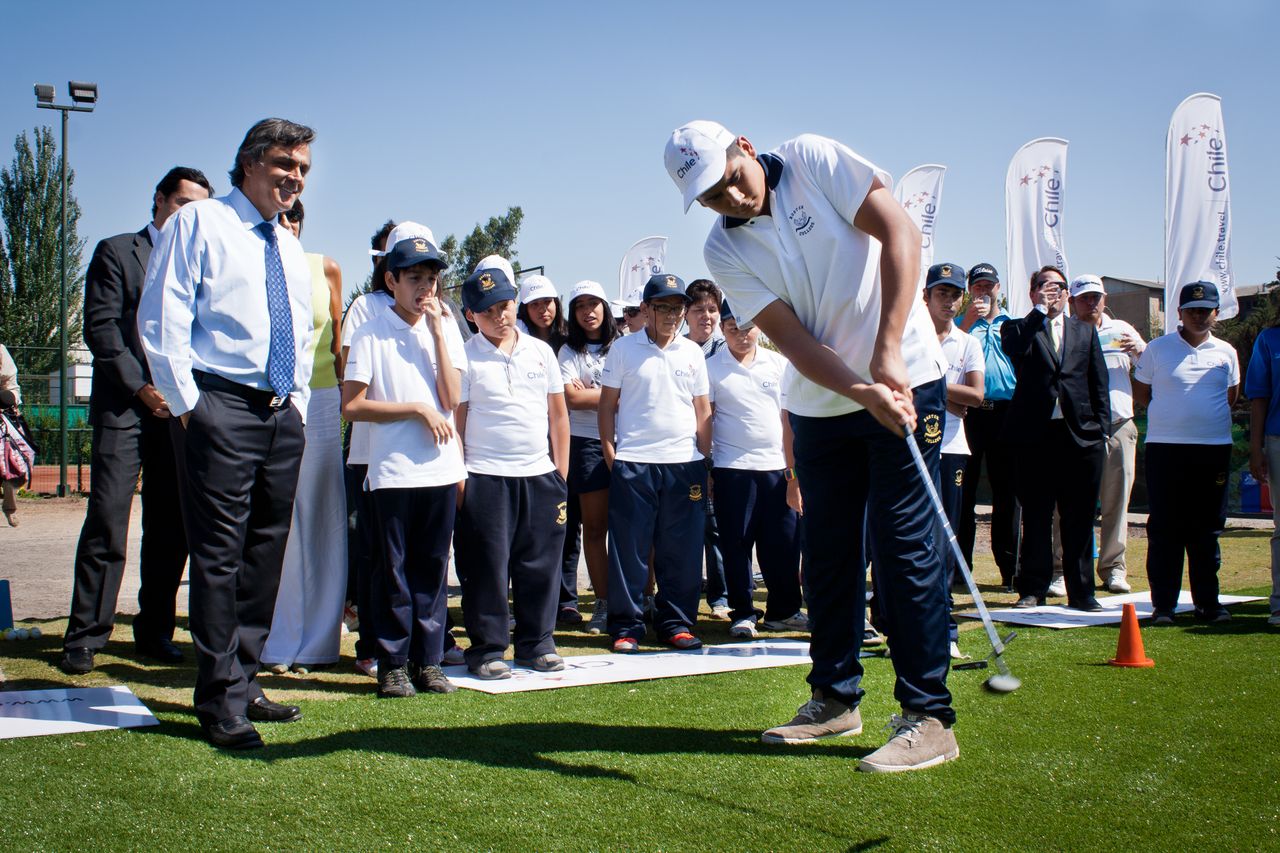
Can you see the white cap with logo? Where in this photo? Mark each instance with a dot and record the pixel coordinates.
(405, 231)
(587, 288)
(1083, 284)
(496, 262)
(696, 155)
(536, 287)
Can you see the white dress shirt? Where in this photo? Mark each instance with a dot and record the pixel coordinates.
(204, 304)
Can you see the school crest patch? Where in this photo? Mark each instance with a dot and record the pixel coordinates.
(1221, 479)
(695, 492)
(932, 428)
(562, 512)
(960, 478)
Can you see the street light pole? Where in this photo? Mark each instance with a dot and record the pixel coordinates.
(85, 95)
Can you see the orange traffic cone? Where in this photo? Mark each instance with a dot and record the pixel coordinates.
(1129, 651)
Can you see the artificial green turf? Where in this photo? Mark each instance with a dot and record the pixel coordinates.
(1082, 756)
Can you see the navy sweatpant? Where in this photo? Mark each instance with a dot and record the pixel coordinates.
(658, 506)
(511, 531)
(409, 585)
(752, 512)
(846, 464)
(1187, 493)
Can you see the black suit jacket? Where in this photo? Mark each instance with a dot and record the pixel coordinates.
(112, 288)
(1077, 378)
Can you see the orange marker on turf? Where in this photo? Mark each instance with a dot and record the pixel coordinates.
(1129, 651)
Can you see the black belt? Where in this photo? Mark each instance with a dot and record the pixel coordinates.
(990, 405)
(214, 382)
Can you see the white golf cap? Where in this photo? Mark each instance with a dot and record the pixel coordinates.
(536, 287)
(587, 288)
(496, 262)
(406, 231)
(1086, 284)
(696, 155)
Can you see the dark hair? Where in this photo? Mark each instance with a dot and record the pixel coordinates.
(378, 242)
(555, 335)
(577, 339)
(295, 214)
(704, 288)
(169, 183)
(263, 135)
(1044, 269)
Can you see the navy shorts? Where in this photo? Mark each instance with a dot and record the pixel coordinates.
(587, 470)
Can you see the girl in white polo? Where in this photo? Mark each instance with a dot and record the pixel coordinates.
(591, 332)
(750, 479)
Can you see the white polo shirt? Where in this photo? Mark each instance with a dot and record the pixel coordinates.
(964, 355)
(1119, 364)
(363, 307)
(809, 255)
(398, 363)
(746, 429)
(656, 421)
(1188, 389)
(587, 367)
(508, 418)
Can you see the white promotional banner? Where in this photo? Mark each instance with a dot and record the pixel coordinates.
(647, 257)
(1197, 205)
(920, 194)
(27, 713)
(1034, 195)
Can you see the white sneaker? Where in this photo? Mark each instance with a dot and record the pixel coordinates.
(453, 656)
(956, 654)
(799, 621)
(918, 741)
(721, 611)
(599, 618)
(1116, 582)
(1058, 588)
(744, 628)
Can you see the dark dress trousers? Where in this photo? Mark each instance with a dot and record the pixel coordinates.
(126, 438)
(1058, 460)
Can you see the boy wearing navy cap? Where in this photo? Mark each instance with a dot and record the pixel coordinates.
(944, 287)
(812, 247)
(403, 376)
(655, 428)
(511, 525)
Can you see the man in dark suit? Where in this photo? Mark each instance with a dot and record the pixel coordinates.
(130, 432)
(1057, 424)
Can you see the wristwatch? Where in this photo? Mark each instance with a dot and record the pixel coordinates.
(789, 474)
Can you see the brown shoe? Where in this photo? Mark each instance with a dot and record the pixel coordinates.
(821, 717)
(918, 741)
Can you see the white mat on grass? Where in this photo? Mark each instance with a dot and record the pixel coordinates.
(27, 713)
(1061, 616)
(608, 669)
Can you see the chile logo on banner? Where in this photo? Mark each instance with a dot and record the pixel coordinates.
(920, 194)
(1034, 201)
(1197, 217)
(646, 258)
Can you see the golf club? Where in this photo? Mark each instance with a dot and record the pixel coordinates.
(1003, 681)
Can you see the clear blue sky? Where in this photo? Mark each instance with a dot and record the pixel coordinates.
(447, 115)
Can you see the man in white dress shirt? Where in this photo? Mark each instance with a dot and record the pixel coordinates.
(225, 320)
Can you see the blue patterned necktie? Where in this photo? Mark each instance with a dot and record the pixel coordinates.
(280, 358)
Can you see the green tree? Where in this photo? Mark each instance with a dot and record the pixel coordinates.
(30, 274)
(495, 237)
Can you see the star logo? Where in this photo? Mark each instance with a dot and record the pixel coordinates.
(1186, 137)
(1026, 179)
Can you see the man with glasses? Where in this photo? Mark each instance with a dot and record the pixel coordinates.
(655, 431)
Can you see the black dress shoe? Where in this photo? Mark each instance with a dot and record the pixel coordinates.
(1028, 601)
(1090, 605)
(263, 710)
(162, 650)
(77, 661)
(233, 733)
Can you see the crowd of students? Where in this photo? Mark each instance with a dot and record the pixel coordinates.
(482, 447)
